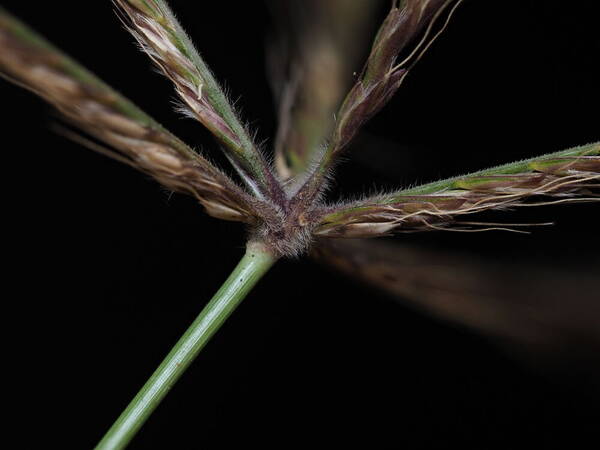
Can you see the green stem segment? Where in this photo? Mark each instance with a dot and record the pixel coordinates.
(255, 263)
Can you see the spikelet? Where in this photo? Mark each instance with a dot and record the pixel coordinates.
(159, 34)
(131, 135)
(380, 79)
(383, 74)
(559, 176)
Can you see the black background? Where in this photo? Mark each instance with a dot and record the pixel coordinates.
(106, 269)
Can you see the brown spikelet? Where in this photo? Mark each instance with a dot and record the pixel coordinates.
(383, 73)
(558, 176)
(156, 29)
(378, 82)
(132, 136)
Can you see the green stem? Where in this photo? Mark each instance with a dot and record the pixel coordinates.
(255, 263)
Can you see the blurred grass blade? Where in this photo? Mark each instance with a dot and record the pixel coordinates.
(133, 137)
(561, 176)
(541, 309)
(161, 36)
(318, 47)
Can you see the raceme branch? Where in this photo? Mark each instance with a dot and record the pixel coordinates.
(160, 35)
(98, 110)
(561, 176)
(383, 74)
(311, 69)
(409, 23)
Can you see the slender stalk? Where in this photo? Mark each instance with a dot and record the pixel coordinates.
(255, 263)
